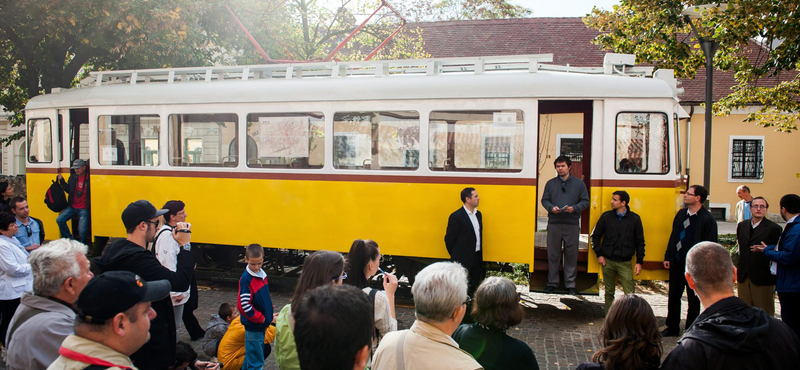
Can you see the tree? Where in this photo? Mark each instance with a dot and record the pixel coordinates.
(451, 10)
(758, 39)
(47, 43)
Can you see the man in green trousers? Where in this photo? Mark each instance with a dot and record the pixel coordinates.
(617, 236)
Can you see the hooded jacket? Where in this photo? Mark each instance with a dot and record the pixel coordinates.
(731, 335)
(215, 330)
(124, 255)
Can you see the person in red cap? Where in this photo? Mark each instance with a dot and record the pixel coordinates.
(140, 219)
(113, 320)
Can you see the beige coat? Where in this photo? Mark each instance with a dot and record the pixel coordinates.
(424, 347)
(91, 349)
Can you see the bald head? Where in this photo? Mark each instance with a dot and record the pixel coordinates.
(711, 268)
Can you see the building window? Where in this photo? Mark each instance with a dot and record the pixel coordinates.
(747, 158)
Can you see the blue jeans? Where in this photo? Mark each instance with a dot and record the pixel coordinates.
(83, 223)
(253, 350)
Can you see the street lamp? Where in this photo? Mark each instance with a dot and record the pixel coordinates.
(709, 47)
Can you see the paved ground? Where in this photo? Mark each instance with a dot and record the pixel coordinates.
(562, 330)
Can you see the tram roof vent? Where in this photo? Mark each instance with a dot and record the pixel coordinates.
(530, 63)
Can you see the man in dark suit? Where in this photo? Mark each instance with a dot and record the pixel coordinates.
(756, 284)
(464, 237)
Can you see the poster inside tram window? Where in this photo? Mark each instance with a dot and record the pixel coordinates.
(282, 137)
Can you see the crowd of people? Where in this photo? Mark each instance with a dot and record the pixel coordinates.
(122, 310)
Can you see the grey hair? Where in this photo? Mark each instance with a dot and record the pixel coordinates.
(53, 263)
(439, 290)
(710, 266)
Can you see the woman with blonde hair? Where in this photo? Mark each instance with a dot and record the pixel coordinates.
(496, 309)
(629, 336)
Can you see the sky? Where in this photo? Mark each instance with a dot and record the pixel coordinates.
(564, 8)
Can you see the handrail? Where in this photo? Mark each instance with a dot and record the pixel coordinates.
(531, 63)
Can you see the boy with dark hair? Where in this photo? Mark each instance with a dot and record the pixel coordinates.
(255, 306)
(217, 327)
(333, 328)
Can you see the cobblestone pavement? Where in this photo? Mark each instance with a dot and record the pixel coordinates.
(562, 330)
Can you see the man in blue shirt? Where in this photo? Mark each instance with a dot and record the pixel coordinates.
(31, 230)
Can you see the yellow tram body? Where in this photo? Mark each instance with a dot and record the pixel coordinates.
(327, 208)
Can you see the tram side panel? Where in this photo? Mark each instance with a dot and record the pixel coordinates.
(406, 219)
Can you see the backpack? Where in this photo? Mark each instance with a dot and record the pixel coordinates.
(54, 198)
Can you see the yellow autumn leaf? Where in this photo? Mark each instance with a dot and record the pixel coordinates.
(119, 25)
(178, 9)
(86, 41)
(72, 21)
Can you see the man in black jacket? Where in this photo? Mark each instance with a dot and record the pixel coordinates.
(464, 237)
(140, 219)
(616, 237)
(756, 285)
(729, 334)
(692, 225)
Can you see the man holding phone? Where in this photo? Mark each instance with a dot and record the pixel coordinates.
(140, 219)
(565, 197)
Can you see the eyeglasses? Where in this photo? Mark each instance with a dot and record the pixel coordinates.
(344, 276)
(28, 228)
(468, 301)
(154, 223)
(758, 206)
(690, 194)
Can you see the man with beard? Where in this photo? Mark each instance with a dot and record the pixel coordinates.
(140, 219)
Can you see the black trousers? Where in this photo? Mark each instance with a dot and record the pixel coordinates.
(7, 309)
(189, 320)
(790, 310)
(677, 284)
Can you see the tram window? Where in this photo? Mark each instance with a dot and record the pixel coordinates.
(386, 140)
(642, 143)
(286, 140)
(130, 140)
(40, 141)
(476, 141)
(203, 140)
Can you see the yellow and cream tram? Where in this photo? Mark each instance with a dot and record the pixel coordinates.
(312, 156)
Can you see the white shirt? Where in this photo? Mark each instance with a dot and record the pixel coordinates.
(755, 224)
(167, 250)
(473, 216)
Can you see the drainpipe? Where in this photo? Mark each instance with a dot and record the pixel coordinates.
(689, 143)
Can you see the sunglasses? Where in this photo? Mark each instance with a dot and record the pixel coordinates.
(563, 187)
(28, 229)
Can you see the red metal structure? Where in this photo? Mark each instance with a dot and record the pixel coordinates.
(342, 44)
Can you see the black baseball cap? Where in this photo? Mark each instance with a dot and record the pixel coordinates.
(117, 291)
(138, 212)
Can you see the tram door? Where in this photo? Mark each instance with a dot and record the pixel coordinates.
(565, 128)
(73, 134)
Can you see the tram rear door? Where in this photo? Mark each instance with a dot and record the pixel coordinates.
(565, 128)
(73, 137)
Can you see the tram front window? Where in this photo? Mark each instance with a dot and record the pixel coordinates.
(40, 141)
(477, 141)
(203, 140)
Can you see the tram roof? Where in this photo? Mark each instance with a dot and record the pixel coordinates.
(540, 84)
